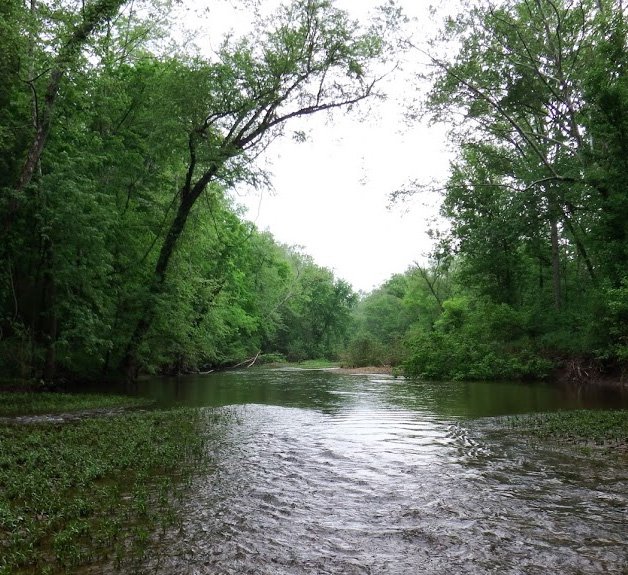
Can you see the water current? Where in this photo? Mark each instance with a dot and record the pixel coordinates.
(326, 473)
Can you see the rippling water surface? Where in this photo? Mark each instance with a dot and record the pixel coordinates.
(327, 473)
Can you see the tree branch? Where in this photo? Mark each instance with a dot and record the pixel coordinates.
(94, 14)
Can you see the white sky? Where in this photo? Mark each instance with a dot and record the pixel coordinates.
(331, 193)
(331, 196)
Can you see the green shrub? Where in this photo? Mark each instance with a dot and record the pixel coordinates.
(478, 342)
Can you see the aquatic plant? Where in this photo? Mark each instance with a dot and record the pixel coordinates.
(582, 425)
(96, 489)
(36, 402)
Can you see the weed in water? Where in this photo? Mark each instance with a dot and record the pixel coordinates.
(591, 427)
(74, 493)
(32, 403)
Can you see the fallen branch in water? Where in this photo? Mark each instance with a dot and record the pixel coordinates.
(252, 361)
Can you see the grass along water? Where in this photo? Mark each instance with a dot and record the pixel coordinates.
(94, 489)
(46, 402)
(601, 427)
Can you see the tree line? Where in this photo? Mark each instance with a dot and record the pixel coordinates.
(120, 249)
(531, 273)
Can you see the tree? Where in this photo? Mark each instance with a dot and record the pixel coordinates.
(605, 115)
(522, 78)
(92, 15)
(312, 60)
(385, 318)
(525, 78)
(52, 48)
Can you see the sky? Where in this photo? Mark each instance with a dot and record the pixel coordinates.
(330, 194)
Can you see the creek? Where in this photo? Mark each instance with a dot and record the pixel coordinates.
(328, 473)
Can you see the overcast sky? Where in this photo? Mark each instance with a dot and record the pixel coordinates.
(331, 193)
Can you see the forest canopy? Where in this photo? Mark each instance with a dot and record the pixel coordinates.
(121, 251)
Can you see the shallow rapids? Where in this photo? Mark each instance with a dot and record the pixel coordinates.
(327, 474)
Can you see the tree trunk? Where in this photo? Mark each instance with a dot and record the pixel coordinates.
(582, 251)
(431, 286)
(130, 362)
(49, 324)
(189, 194)
(556, 284)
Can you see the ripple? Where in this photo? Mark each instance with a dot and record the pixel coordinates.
(377, 488)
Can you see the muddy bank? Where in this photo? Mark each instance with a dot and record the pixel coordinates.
(582, 372)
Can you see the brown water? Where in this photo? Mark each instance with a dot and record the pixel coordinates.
(322, 473)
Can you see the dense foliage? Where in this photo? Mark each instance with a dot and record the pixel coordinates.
(120, 250)
(533, 272)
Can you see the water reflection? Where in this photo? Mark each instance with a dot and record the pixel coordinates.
(329, 391)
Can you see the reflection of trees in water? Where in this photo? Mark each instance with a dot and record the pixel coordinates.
(481, 399)
(331, 392)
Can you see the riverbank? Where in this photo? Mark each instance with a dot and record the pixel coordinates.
(579, 371)
(92, 489)
(323, 364)
(575, 372)
(376, 370)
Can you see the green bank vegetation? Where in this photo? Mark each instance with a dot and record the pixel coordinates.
(40, 402)
(604, 428)
(530, 273)
(96, 489)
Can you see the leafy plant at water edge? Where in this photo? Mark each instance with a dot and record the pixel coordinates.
(27, 403)
(70, 493)
(600, 427)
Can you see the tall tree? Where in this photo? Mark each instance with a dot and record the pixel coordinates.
(522, 80)
(309, 59)
(91, 16)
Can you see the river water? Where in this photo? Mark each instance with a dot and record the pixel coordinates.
(325, 473)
